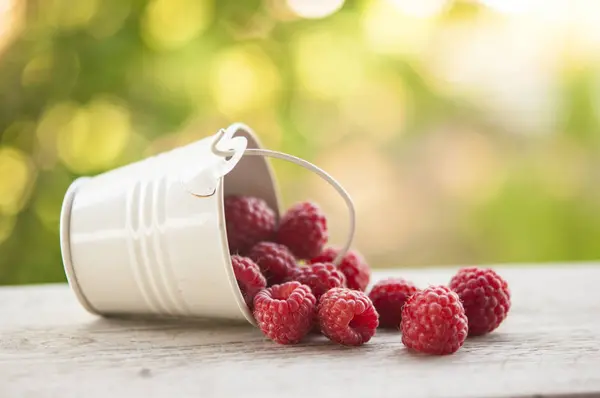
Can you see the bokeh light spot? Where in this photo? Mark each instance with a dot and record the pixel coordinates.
(170, 24)
(280, 10)
(388, 30)
(329, 62)
(95, 136)
(314, 8)
(244, 78)
(11, 17)
(53, 120)
(67, 14)
(420, 8)
(513, 6)
(16, 174)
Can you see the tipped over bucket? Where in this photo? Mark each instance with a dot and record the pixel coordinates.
(150, 237)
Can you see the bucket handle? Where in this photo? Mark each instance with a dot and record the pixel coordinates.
(309, 166)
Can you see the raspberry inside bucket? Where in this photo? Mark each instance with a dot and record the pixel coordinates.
(284, 292)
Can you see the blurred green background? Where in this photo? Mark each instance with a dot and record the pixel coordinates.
(466, 131)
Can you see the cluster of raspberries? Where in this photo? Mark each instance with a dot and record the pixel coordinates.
(289, 281)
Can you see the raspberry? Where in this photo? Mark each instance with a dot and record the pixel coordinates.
(248, 221)
(285, 312)
(319, 277)
(389, 296)
(434, 321)
(303, 229)
(275, 261)
(353, 265)
(248, 276)
(484, 295)
(347, 316)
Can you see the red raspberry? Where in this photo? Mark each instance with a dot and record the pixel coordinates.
(275, 261)
(248, 276)
(347, 316)
(484, 295)
(434, 321)
(285, 312)
(248, 221)
(319, 277)
(353, 265)
(389, 296)
(303, 229)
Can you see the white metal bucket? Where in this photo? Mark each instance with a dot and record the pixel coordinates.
(150, 238)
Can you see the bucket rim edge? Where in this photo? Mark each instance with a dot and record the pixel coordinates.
(65, 244)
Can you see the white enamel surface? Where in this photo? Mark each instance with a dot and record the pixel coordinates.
(201, 178)
(142, 239)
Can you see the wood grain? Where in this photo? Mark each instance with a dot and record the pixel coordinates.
(549, 346)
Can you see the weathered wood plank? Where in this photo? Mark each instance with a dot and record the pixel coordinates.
(49, 346)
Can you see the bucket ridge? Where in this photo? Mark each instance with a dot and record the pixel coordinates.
(148, 252)
(164, 263)
(132, 224)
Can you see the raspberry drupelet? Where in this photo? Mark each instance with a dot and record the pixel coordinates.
(248, 220)
(248, 276)
(319, 277)
(353, 265)
(275, 261)
(434, 321)
(347, 316)
(303, 229)
(388, 297)
(485, 296)
(285, 313)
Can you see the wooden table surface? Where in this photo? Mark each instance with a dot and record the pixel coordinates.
(548, 346)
